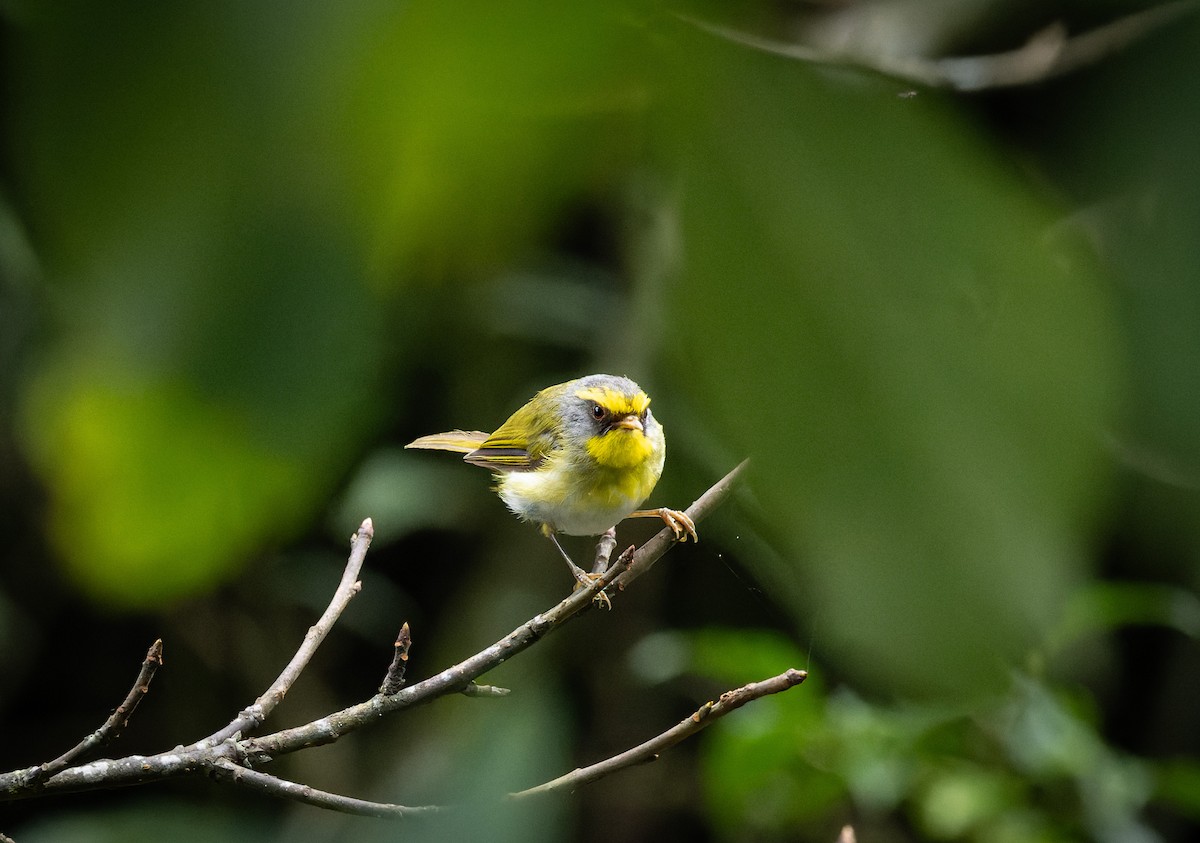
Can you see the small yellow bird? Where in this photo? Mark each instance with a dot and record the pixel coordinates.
(578, 458)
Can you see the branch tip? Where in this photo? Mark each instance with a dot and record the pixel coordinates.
(649, 553)
(393, 680)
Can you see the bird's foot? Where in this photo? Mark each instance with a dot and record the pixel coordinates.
(680, 522)
(582, 578)
(599, 598)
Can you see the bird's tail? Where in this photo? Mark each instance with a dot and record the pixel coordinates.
(459, 441)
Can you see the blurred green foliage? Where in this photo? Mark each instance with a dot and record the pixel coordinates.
(248, 250)
(930, 374)
(116, 542)
(1026, 764)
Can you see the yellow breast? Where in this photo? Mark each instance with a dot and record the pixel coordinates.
(620, 449)
(586, 494)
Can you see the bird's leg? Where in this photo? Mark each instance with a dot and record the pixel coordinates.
(604, 549)
(583, 578)
(578, 573)
(680, 523)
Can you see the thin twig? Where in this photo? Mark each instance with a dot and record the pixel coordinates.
(252, 717)
(394, 680)
(1048, 54)
(227, 770)
(111, 727)
(649, 751)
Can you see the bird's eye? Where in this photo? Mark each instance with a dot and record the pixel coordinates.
(597, 412)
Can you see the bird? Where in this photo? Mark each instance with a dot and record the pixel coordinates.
(578, 458)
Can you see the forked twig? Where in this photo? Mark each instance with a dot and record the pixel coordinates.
(230, 755)
(707, 714)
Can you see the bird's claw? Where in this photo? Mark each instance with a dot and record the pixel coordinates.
(681, 524)
(586, 580)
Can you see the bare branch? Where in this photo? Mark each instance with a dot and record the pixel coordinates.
(227, 752)
(649, 751)
(252, 717)
(394, 680)
(137, 769)
(226, 770)
(1047, 54)
(110, 728)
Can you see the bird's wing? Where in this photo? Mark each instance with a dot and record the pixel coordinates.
(459, 441)
(520, 444)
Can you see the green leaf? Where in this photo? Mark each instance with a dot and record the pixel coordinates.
(923, 378)
(156, 493)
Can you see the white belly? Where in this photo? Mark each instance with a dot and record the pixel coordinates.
(574, 512)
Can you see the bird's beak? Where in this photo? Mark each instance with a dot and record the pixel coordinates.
(630, 422)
